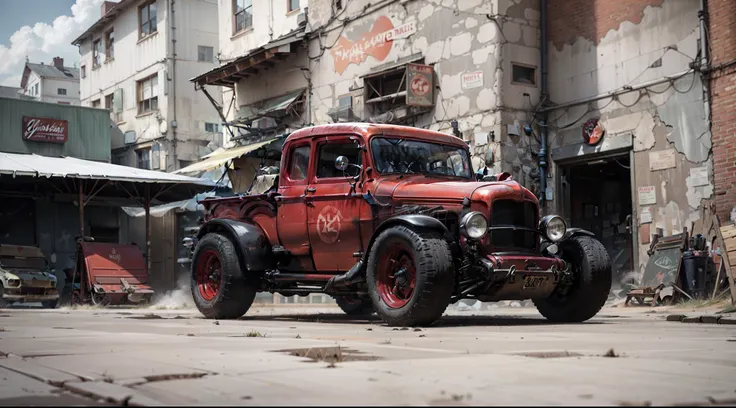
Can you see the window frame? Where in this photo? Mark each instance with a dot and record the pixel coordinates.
(289, 4)
(110, 45)
(201, 48)
(290, 162)
(96, 53)
(331, 142)
(139, 153)
(59, 91)
(139, 94)
(147, 6)
(97, 102)
(527, 66)
(235, 13)
(83, 71)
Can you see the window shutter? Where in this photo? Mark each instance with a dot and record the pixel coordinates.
(156, 156)
(117, 100)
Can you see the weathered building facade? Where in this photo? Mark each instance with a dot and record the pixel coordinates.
(136, 61)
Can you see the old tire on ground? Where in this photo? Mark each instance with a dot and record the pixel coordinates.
(591, 284)
(410, 276)
(355, 306)
(220, 288)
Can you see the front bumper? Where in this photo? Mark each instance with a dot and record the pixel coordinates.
(24, 294)
(520, 277)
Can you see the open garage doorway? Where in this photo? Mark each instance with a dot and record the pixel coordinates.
(596, 196)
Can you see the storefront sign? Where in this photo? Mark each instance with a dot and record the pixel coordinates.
(421, 84)
(377, 43)
(472, 80)
(664, 159)
(45, 130)
(647, 195)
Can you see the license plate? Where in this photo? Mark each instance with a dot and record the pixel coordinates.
(533, 282)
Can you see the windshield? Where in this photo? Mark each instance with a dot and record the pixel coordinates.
(14, 262)
(394, 155)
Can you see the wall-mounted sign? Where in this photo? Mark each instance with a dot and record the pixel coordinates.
(420, 80)
(472, 80)
(647, 195)
(663, 159)
(376, 43)
(593, 132)
(646, 215)
(699, 176)
(45, 130)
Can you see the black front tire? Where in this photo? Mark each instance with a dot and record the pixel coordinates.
(236, 290)
(353, 306)
(434, 276)
(592, 279)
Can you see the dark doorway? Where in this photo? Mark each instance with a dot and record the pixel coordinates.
(598, 196)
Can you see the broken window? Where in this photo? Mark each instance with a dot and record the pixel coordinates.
(523, 74)
(397, 94)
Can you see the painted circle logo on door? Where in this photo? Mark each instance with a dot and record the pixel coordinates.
(328, 224)
(420, 85)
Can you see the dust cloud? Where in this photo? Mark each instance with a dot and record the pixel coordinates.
(179, 298)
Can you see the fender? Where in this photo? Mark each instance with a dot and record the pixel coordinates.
(251, 243)
(573, 232)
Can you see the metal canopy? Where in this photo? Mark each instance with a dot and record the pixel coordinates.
(218, 159)
(242, 67)
(274, 107)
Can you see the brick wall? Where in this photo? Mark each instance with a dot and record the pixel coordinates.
(592, 19)
(722, 32)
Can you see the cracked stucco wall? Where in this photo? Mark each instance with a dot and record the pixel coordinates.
(458, 38)
(666, 120)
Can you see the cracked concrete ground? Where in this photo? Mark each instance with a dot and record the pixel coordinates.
(318, 356)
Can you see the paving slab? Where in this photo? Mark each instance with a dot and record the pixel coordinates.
(113, 393)
(16, 385)
(36, 371)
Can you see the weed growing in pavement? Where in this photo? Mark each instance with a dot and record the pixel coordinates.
(254, 333)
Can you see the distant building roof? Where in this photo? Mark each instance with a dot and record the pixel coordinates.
(13, 92)
(111, 12)
(49, 71)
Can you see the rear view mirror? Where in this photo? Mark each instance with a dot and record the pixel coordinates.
(341, 163)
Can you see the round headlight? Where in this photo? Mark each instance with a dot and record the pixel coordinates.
(473, 225)
(554, 227)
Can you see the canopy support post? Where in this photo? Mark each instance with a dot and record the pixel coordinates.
(148, 230)
(80, 188)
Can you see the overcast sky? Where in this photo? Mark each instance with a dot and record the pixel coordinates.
(41, 29)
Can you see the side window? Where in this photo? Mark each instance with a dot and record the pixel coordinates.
(329, 152)
(299, 163)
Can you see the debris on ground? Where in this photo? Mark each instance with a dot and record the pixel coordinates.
(611, 353)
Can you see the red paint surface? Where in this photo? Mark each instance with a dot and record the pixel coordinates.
(107, 263)
(45, 129)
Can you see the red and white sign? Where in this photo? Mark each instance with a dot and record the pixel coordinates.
(376, 43)
(472, 80)
(45, 130)
(328, 224)
(421, 82)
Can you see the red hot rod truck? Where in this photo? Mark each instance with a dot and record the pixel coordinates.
(391, 219)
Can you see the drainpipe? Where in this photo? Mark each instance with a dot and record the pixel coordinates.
(542, 155)
(704, 61)
(173, 121)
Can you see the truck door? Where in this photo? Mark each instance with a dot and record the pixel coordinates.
(333, 209)
(292, 205)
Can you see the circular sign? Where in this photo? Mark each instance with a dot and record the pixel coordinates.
(593, 132)
(420, 85)
(328, 224)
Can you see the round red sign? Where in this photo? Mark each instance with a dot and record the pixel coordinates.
(420, 85)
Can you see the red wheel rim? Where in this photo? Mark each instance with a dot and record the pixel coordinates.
(396, 276)
(209, 272)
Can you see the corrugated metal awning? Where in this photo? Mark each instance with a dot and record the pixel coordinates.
(273, 107)
(218, 159)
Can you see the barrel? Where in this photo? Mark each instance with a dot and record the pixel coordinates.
(693, 273)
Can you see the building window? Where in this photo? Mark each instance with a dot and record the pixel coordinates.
(211, 127)
(96, 103)
(205, 53)
(242, 14)
(84, 71)
(292, 5)
(35, 90)
(109, 45)
(147, 19)
(96, 50)
(61, 91)
(523, 74)
(148, 94)
(108, 102)
(144, 158)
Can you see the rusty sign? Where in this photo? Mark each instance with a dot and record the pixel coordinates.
(377, 43)
(45, 130)
(593, 132)
(420, 85)
(663, 159)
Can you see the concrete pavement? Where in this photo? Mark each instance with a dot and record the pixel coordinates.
(318, 356)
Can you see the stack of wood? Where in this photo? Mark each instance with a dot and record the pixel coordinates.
(722, 242)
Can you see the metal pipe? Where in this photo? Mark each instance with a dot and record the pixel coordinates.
(80, 187)
(148, 230)
(173, 87)
(618, 92)
(542, 154)
(704, 61)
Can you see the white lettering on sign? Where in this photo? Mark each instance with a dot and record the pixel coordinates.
(472, 80)
(663, 159)
(114, 255)
(647, 195)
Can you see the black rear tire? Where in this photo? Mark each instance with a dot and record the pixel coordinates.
(433, 276)
(354, 306)
(236, 290)
(591, 268)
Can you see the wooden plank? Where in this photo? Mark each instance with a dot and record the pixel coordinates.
(730, 244)
(726, 260)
